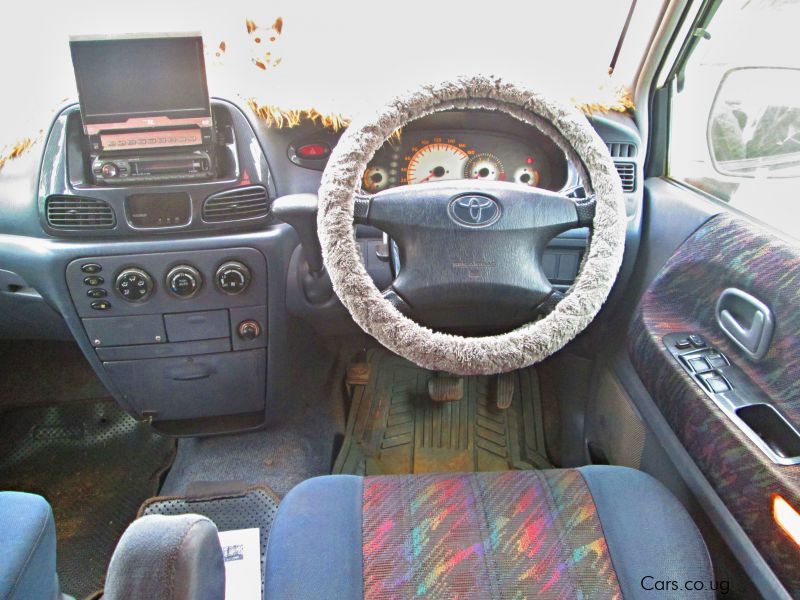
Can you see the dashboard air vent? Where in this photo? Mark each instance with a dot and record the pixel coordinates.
(622, 150)
(75, 212)
(233, 205)
(627, 173)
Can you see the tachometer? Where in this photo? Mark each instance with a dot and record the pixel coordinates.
(436, 162)
(484, 166)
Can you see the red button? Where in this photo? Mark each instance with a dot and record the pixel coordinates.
(313, 151)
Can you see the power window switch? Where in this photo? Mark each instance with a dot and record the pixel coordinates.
(699, 365)
(697, 341)
(715, 383)
(683, 344)
(717, 360)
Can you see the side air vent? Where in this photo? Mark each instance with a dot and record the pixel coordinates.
(237, 204)
(622, 150)
(627, 173)
(75, 212)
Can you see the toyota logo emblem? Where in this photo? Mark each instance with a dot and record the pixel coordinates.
(474, 210)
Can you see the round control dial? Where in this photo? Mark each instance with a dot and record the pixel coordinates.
(184, 281)
(233, 277)
(134, 285)
(109, 170)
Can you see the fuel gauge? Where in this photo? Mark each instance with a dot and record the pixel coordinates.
(375, 179)
(527, 175)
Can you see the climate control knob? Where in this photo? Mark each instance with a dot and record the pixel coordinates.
(233, 277)
(184, 281)
(134, 285)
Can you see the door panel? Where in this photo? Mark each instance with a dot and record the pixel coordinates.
(728, 252)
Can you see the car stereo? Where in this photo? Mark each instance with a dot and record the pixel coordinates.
(145, 107)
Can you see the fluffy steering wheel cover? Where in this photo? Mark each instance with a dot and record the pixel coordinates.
(434, 350)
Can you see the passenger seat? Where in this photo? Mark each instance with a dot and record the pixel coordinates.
(27, 548)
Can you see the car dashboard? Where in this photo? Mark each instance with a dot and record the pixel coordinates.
(180, 292)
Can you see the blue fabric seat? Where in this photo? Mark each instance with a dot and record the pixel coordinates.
(592, 532)
(27, 548)
(170, 558)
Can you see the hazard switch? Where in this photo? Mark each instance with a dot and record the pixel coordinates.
(314, 151)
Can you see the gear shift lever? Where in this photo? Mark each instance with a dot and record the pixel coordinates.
(300, 211)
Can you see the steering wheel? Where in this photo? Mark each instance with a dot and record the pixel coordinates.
(471, 250)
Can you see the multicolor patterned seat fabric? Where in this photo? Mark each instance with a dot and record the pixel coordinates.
(484, 535)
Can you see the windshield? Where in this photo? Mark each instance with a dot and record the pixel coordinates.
(336, 57)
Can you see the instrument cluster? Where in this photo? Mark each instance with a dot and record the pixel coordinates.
(417, 157)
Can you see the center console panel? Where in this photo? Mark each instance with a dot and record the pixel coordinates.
(75, 202)
(181, 335)
(143, 185)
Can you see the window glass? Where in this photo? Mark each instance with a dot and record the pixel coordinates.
(340, 57)
(735, 124)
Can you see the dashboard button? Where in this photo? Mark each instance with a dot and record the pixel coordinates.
(93, 280)
(91, 268)
(184, 281)
(232, 277)
(96, 293)
(134, 285)
(315, 151)
(101, 305)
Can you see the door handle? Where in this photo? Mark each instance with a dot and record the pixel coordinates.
(746, 320)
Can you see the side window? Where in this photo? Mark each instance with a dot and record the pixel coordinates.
(735, 115)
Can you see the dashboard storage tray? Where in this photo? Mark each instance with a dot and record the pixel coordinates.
(192, 387)
(119, 331)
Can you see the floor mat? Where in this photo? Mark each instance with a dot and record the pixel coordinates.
(95, 465)
(395, 428)
(27, 375)
(254, 507)
(297, 443)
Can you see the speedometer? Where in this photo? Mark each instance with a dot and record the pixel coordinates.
(436, 162)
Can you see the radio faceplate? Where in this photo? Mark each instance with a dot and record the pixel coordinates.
(173, 166)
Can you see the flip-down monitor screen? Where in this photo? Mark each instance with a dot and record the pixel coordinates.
(140, 81)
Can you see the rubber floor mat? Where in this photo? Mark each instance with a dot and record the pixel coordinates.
(95, 465)
(251, 508)
(395, 428)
